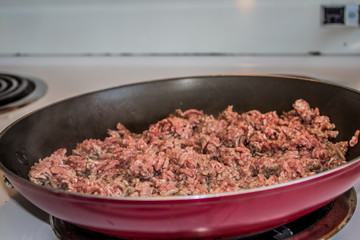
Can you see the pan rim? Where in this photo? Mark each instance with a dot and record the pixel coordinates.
(83, 196)
(244, 193)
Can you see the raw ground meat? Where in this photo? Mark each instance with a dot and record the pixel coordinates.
(191, 153)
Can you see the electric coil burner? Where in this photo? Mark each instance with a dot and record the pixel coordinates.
(17, 91)
(320, 224)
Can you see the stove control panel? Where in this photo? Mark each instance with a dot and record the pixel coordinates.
(343, 15)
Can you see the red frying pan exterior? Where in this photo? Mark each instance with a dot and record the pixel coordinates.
(203, 216)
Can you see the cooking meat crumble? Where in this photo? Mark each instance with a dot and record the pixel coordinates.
(191, 153)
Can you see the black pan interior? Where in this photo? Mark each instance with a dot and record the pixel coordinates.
(136, 106)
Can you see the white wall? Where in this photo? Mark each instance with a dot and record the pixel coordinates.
(170, 26)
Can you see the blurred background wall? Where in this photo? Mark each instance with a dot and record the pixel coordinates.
(210, 27)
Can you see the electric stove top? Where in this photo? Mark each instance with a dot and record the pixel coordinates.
(63, 77)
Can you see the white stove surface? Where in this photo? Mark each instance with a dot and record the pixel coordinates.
(70, 76)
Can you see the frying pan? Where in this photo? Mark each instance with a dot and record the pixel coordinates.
(65, 123)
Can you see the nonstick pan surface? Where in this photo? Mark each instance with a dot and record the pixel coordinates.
(71, 121)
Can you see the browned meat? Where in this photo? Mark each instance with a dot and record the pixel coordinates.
(354, 140)
(193, 153)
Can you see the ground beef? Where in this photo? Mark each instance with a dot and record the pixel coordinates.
(191, 153)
